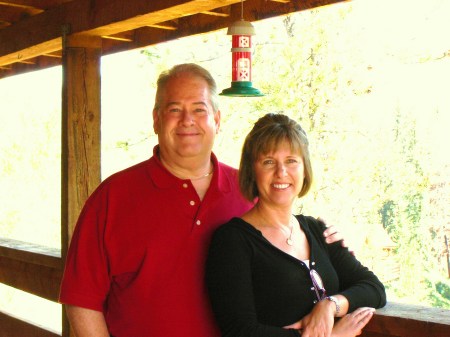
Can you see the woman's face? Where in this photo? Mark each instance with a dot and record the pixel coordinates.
(279, 175)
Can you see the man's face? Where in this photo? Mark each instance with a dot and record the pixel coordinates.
(185, 123)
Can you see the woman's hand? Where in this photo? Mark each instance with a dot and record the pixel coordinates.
(295, 326)
(351, 325)
(318, 323)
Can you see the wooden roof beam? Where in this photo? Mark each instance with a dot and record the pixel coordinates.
(108, 18)
(55, 55)
(163, 26)
(254, 10)
(14, 14)
(33, 4)
(213, 13)
(116, 38)
(154, 12)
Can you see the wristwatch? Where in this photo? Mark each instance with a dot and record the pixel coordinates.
(336, 302)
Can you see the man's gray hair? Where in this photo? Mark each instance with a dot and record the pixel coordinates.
(190, 68)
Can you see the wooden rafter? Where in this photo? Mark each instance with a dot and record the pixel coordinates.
(15, 13)
(117, 38)
(26, 62)
(213, 13)
(55, 55)
(163, 26)
(112, 17)
(36, 4)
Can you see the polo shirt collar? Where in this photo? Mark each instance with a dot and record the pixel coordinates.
(162, 178)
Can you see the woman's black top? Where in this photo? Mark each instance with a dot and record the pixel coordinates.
(256, 288)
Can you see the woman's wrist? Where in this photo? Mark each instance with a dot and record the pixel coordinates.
(337, 304)
(328, 306)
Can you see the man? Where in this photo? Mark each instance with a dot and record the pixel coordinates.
(135, 265)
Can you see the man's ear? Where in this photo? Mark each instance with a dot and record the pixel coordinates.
(217, 118)
(155, 121)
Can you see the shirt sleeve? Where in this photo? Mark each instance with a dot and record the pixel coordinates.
(86, 280)
(229, 282)
(357, 283)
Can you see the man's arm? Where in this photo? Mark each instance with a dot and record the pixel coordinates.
(87, 322)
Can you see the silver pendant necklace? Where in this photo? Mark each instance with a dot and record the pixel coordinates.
(282, 228)
(289, 239)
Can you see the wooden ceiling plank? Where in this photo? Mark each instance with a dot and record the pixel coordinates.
(216, 14)
(27, 62)
(15, 14)
(167, 27)
(33, 51)
(12, 4)
(10, 53)
(37, 4)
(255, 10)
(117, 38)
(55, 55)
(150, 14)
(22, 68)
(108, 18)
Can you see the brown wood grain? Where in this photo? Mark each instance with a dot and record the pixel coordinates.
(131, 18)
(409, 321)
(80, 130)
(33, 278)
(11, 326)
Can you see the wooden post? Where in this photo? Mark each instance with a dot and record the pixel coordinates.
(80, 132)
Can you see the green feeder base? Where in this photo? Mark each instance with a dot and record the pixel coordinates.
(241, 89)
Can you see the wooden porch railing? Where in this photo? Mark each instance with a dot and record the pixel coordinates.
(34, 269)
(405, 320)
(38, 270)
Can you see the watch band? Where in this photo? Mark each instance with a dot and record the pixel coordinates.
(336, 302)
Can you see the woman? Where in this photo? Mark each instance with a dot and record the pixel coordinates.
(270, 273)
